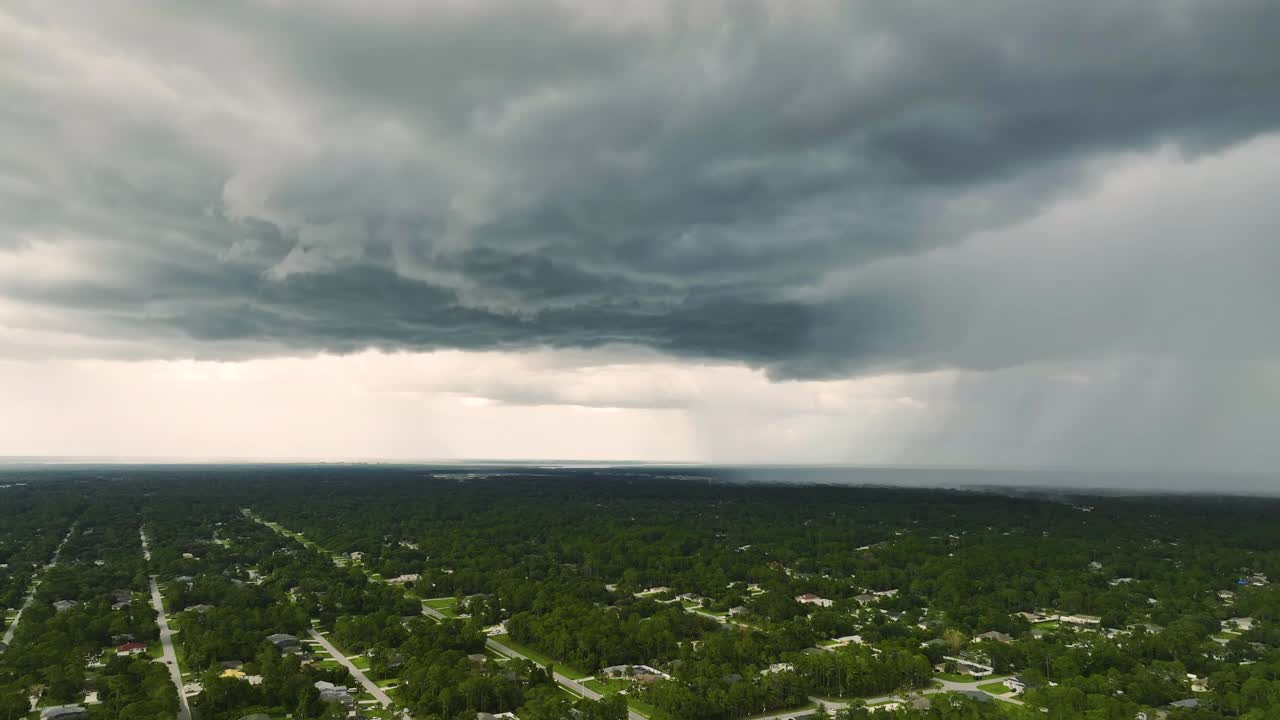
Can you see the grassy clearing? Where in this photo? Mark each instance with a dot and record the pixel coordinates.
(802, 708)
(445, 606)
(607, 686)
(537, 657)
(995, 688)
(646, 709)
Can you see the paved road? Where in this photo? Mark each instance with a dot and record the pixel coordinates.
(433, 613)
(170, 658)
(564, 681)
(35, 583)
(378, 693)
(946, 686)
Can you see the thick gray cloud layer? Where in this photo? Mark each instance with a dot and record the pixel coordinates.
(263, 177)
(1082, 192)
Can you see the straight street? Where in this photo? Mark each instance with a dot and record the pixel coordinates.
(31, 592)
(169, 657)
(378, 693)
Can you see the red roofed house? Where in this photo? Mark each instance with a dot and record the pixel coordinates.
(132, 648)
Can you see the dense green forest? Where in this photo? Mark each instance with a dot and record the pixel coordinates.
(453, 593)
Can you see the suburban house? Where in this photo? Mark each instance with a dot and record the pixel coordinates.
(131, 648)
(865, 598)
(1016, 683)
(285, 643)
(403, 579)
(201, 608)
(64, 605)
(737, 610)
(1243, 624)
(499, 716)
(970, 667)
(639, 673)
(811, 599)
(331, 693)
(993, 635)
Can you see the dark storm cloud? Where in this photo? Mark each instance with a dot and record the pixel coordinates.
(260, 178)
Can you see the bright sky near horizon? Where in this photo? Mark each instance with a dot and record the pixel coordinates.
(852, 232)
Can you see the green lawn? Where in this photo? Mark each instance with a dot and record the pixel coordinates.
(646, 709)
(360, 661)
(607, 686)
(995, 688)
(534, 655)
(810, 706)
(953, 677)
(445, 606)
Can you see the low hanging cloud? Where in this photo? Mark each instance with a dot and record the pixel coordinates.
(819, 190)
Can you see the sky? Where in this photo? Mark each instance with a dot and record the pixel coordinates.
(984, 234)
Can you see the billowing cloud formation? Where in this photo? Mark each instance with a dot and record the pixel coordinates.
(820, 190)
(275, 176)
